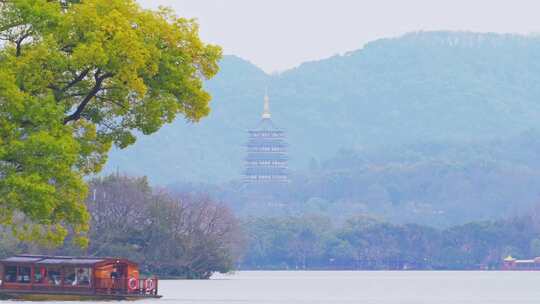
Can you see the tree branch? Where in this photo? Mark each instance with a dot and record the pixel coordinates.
(95, 89)
(77, 79)
(19, 42)
(112, 101)
(58, 92)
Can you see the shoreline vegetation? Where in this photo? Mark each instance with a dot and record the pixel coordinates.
(176, 236)
(189, 236)
(363, 243)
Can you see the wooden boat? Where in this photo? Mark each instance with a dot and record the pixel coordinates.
(40, 277)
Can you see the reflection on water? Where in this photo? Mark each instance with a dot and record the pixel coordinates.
(383, 287)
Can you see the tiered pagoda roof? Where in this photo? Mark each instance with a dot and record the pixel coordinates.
(266, 159)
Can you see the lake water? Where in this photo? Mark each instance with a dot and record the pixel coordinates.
(333, 287)
(358, 287)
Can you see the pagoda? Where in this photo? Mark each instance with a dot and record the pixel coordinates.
(266, 160)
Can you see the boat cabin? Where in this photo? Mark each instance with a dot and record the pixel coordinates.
(74, 275)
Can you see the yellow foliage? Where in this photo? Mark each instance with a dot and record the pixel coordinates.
(77, 77)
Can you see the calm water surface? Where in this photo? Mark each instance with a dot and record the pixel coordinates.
(287, 287)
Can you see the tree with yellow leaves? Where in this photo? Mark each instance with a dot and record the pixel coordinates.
(76, 77)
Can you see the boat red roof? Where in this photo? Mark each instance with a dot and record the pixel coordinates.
(59, 260)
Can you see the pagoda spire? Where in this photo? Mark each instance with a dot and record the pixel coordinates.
(266, 113)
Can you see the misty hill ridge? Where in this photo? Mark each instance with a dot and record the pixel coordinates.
(421, 87)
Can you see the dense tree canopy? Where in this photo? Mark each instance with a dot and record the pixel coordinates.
(365, 243)
(77, 77)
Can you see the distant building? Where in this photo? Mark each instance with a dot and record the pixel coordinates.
(266, 160)
(511, 263)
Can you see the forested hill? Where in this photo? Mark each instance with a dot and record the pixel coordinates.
(449, 87)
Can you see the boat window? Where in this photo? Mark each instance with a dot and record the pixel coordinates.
(40, 274)
(10, 274)
(83, 277)
(69, 276)
(24, 274)
(53, 276)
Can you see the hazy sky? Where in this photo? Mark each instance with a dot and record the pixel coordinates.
(280, 34)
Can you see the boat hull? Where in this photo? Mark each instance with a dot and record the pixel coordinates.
(31, 295)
